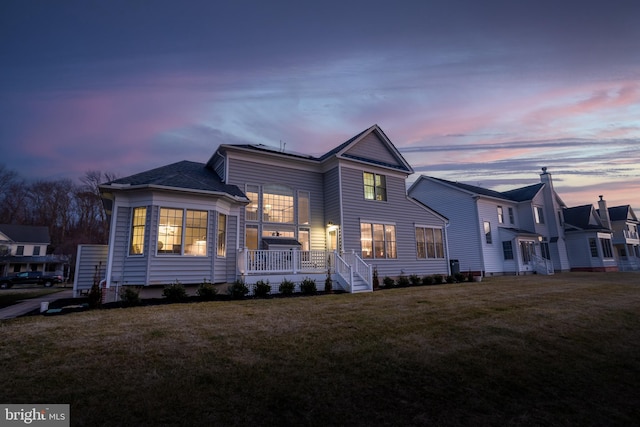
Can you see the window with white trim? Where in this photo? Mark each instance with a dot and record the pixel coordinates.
(487, 232)
(222, 235)
(500, 215)
(138, 225)
(538, 214)
(375, 186)
(171, 238)
(277, 203)
(378, 240)
(429, 242)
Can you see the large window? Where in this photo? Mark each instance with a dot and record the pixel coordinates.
(429, 242)
(253, 194)
(138, 223)
(378, 240)
(375, 186)
(277, 203)
(222, 235)
(171, 224)
(303, 207)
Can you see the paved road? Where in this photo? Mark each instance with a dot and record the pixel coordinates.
(29, 305)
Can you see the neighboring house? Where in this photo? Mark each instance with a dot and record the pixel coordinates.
(623, 222)
(588, 240)
(24, 248)
(253, 212)
(513, 232)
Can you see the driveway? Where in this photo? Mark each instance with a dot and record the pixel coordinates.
(28, 305)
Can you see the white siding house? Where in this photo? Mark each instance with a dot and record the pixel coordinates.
(624, 224)
(254, 212)
(512, 232)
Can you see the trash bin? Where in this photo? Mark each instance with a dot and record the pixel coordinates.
(455, 266)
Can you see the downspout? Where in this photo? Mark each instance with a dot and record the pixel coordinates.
(446, 239)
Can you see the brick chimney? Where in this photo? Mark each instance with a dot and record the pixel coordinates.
(604, 213)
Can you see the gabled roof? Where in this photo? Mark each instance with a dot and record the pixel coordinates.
(516, 195)
(26, 233)
(583, 218)
(184, 175)
(346, 150)
(621, 213)
(524, 193)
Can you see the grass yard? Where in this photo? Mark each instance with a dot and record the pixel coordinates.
(562, 350)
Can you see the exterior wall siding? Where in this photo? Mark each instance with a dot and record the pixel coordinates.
(398, 210)
(463, 232)
(89, 260)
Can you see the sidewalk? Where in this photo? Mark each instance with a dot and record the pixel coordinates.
(29, 305)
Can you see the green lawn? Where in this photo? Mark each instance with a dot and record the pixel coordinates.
(562, 350)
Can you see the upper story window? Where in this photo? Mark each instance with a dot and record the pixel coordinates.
(182, 232)
(375, 186)
(20, 250)
(512, 219)
(138, 223)
(500, 215)
(36, 250)
(487, 232)
(538, 214)
(277, 204)
(252, 209)
(378, 240)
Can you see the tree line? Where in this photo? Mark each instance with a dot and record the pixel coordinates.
(72, 211)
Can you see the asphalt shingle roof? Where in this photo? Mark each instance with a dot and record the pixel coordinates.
(26, 233)
(516, 195)
(579, 216)
(184, 174)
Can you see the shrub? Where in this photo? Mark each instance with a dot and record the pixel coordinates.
(450, 279)
(286, 287)
(427, 280)
(238, 290)
(328, 283)
(174, 291)
(95, 295)
(376, 280)
(130, 296)
(206, 290)
(261, 289)
(438, 279)
(403, 281)
(388, 282)
(459, 277)
(308, 286)
(415, 280)
(470, 276)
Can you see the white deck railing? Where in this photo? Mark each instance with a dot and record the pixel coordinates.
(265, 262)
(542, 265)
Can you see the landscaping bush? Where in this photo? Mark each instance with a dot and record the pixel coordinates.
(415, 280)
(450, 279)
(261, 289)
(174, 291)
(238, 290)
(95, 295)
(403, 281)
(328, 283)
(427, 280)
(130, 296)
(438, 279)
(287, 287)
(388, 282)
(376, 280)
(460, 277)
(308, 286)
(206, 290)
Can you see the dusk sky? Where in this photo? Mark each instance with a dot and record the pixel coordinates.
(482, 92)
